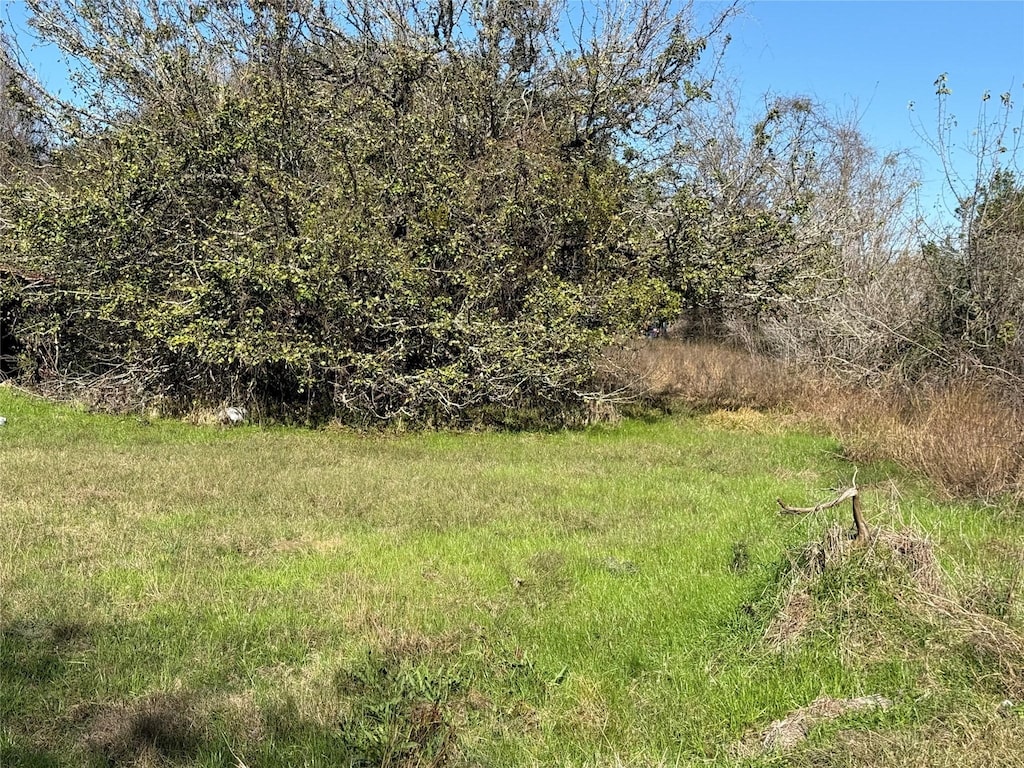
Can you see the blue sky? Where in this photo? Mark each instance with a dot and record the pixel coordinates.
(870, 56)
(877, 57)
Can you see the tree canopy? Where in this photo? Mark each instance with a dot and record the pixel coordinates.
(425, 211)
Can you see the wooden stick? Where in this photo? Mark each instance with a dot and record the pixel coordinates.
(849, 493)
(786, 509)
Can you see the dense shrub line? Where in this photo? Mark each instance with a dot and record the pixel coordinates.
(443, 214)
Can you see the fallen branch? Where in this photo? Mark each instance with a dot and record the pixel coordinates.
(849, 493)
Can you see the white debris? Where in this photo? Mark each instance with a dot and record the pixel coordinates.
(232, 415)
(3, 420)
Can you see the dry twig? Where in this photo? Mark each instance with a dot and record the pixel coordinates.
(849, 493)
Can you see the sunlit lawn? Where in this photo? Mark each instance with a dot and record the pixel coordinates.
(202, 596)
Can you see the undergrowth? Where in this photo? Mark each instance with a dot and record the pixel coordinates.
(965, 437)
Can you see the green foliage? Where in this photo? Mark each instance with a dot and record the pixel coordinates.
(399, 710)
(721, 258)
(378, 228)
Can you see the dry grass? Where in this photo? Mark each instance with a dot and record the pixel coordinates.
(966, 438)
(794, 727)
(143, 732)
(703, 375)
(996, 742)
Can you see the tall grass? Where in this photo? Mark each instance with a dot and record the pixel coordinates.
(965, 437)
(701, 375)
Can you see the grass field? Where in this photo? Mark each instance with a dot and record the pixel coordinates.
(627, 595)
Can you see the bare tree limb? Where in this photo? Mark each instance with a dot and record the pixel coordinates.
(849, 493)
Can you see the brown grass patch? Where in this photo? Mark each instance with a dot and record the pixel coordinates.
(792, 620)
(143, 732)
(590, 710)
(966, 437)
(745, 420)
(699, 374)
(990, 741)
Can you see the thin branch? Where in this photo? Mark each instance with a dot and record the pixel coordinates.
(788, 510)
(849, 493)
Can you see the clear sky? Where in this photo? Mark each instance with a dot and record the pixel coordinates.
(870, 56)
(875, 57)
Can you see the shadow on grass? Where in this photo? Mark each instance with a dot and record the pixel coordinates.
(393, 706)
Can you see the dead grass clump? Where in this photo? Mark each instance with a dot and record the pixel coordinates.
(591, 712)
(699, 374)
(965, 438)
(793, 618)
(795, 726)
(404, 644)
(156, 727)
(915, 553)
(987, 741)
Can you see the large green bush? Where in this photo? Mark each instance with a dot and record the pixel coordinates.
(349, 217)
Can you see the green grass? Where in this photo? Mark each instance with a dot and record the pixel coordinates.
(271, 597)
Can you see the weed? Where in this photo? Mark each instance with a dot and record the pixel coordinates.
(400, 710)
(740, 557)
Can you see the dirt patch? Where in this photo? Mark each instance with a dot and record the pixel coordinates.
(158, 726)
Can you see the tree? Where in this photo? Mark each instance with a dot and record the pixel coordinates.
(20, 133)
(384, 210)
(773, 224)
(974, 289)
